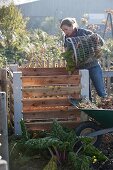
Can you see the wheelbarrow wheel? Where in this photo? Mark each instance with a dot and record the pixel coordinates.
(88, 127)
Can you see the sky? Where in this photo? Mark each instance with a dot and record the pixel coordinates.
(16, 2)
(22, 1)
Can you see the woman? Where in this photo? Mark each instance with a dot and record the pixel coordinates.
(70, 28)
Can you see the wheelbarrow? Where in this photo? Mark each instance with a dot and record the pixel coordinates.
(100, 123)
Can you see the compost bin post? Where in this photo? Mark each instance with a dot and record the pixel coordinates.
(3, 165)
(3, 127)
(17, 90)
(13, 67)
(85, 89)
(85, 83)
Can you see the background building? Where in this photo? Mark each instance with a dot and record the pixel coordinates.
(46, 14)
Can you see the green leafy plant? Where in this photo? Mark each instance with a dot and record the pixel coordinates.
(61, 146)
(70, 63)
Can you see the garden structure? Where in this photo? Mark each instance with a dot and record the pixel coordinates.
(41, 95)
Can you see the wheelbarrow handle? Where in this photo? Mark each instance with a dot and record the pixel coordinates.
(73, 101)
(101, 132)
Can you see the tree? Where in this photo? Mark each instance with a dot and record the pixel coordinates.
(13, 30)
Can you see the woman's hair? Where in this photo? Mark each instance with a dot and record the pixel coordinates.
(69, 22)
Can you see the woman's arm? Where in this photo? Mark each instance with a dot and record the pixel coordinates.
(100, 39)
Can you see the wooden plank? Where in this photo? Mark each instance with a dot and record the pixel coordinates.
(50, 115)
(33, 104)
(36, 126)
(4, 128)
(36, 103)
(11, 98)
(51, 108)
(45, 102)
(4, 80)
(50, 80)
(45, 71)
(84, 83)
(17, 84)
(50, 91)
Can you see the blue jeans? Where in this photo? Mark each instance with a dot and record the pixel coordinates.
(96, 75)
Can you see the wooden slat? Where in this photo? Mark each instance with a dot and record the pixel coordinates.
(11, 98)
(38, 103)
(10, 84)
(32, 104)
(45, 71)
(47, 125)
(50, 115)
(4, 80)
(51, 108)
(50, 91)
(50, 80)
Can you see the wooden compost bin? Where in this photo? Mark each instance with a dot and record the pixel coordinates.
(44, 94)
